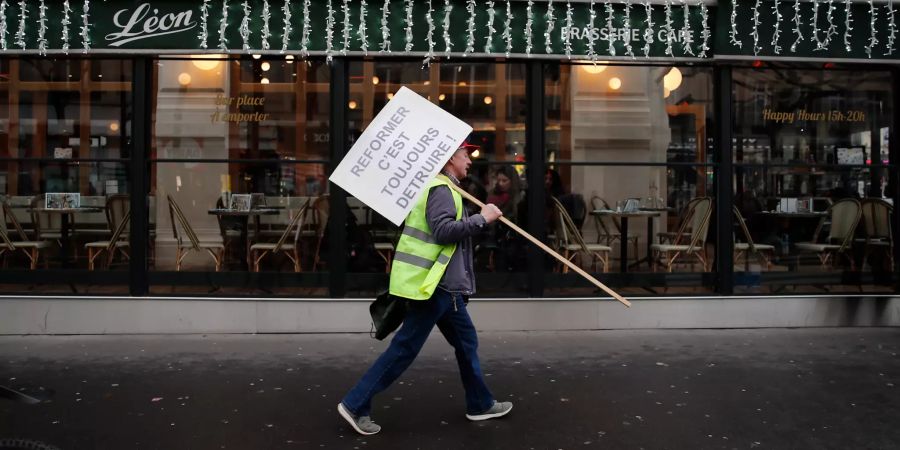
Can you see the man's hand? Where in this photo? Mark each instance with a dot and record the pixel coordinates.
(491, 212)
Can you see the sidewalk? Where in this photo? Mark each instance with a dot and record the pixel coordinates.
(651, 389)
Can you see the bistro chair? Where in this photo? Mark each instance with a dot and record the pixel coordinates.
(46, 226)
(876, 217)
(689, 240)
(259, 250)
(608, 228)
(844, 215)
(316, 221)
(573, 244)
(117, 242)
(31, 249)
(749, 247)
(665, 237)
(215, 249)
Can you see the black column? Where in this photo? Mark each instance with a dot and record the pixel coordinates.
(894, 157)
(141, 104)
(724, 175)
(339, 144)
(536, 157)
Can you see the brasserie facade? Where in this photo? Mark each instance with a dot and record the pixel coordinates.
(164, 164)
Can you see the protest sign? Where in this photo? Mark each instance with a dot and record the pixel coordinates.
(396, 156)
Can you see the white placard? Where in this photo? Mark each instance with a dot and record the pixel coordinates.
(396, 156)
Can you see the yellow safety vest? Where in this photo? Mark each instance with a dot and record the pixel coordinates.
(420, 262)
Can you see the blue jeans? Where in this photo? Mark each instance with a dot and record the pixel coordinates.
(448, 311)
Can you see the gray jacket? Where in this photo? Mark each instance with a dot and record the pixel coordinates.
(441, 215)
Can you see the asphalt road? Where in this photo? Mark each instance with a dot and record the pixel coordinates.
(652, 389)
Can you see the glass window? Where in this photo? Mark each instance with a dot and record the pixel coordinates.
(64, 178)
(489, 97)
(629, 182)
(238, 189)
(811, 171)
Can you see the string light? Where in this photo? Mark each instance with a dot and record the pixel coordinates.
(329, 33)
(628, 50)
(223, 26)
(611, 35)
(20, 33)
(204, 17)
(848, 20)
(470, 28)
(490, 26)
(409, 25)
(42, 28)
(686, 32)
(648, 33)
(668, 28)
(592, 55)
(704, 17)
(548, 37)
(775, 47)
(797, 31)
(86, 26)
(245, 26)
(4, 31)
(755, 32)
(361, 32)
(448, 45)
(307, 27)
(385, 31)
(529, 22)
(873, 39)
(733, 34)
(893, 27)
(430, 37)
(266, 32)
(286, 35)
(507, 31)
(568, 32)
(345, 10)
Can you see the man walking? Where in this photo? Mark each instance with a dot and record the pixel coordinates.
(433, 268)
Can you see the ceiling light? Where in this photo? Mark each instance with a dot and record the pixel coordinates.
(672, 79)
(184, 79)
(352, 104)
(375, 80)
(264, 80)
(442, 97)
(488, 100)
(265, 66)
(594, 68)
(205, 62)
(615, 83)
(257, 56)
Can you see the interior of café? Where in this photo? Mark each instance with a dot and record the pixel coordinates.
(626, 174)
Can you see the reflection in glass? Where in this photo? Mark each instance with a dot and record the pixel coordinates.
(809, 150)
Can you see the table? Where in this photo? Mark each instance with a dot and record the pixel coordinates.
(66, 227)
(623, 230)
(244, 217)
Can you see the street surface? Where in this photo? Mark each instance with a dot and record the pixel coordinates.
(830, 388)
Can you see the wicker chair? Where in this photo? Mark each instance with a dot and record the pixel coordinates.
(215, 249)
(259, 250)
(844, 215)
(687, 243)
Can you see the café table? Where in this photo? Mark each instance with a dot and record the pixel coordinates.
(67, 215)
(649, 213)
(244, 219)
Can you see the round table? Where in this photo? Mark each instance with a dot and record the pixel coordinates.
(244, 217)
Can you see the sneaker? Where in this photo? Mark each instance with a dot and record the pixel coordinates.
(363, 425)
(499, 409)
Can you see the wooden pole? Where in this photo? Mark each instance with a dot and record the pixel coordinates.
(544, 247)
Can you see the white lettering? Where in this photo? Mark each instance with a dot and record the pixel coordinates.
(139, 26)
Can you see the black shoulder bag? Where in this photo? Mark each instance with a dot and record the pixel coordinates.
(387, 313)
